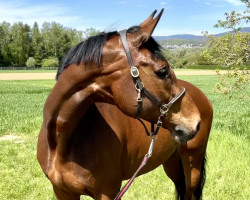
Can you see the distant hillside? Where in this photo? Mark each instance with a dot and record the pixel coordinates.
(179, 36)
(192, 37)
(246, 29)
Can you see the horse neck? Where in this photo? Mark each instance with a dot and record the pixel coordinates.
(74, 92)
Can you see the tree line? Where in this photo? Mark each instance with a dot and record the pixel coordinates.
(22, 45)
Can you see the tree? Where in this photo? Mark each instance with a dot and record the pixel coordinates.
(231, 51)
(234, 20)
(20, 43)
(31, 62)
(90, 32)
(50, 62)
(37, 48)
(5, 38)
(74, 36)
(58, 40)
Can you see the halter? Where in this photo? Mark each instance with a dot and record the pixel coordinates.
(139, 86)
(164, 108)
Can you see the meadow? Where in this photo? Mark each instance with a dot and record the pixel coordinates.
(228, 169)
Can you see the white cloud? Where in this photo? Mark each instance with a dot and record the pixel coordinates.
(220, 2)
(163, 3)
(234, 2)
(15, 11)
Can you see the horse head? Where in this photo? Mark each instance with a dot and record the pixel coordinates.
(157, 77)
(153, 82)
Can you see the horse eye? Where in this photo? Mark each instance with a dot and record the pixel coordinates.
(162, 73)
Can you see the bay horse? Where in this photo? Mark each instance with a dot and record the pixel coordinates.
(90, 140)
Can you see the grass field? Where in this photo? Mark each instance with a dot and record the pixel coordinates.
(228, 169)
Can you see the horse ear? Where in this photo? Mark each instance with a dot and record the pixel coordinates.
(147, 27)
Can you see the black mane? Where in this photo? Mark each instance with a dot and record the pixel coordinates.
(90, 50)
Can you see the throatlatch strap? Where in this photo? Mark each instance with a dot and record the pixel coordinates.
(147, 132)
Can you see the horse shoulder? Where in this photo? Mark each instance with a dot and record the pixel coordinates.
(200, 99)
(206, 112)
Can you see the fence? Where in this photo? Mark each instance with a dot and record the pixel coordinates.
(28, 68)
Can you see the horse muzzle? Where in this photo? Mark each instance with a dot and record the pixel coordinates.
(182, 134)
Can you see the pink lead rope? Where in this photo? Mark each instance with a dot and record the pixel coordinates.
(143, 163)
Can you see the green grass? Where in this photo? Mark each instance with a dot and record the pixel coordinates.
(21, 104)
(214, 67)
(20, 115)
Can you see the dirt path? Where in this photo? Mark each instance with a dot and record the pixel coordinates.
(40, 76)
(27, 76)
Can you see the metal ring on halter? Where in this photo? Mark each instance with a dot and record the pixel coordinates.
(153, 136)
(159, 123)
(164, 109)
(134, 72)
(139, 91)
(138, 87)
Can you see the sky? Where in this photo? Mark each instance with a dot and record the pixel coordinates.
(179, 17)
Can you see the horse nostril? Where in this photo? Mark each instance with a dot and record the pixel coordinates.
(198, 127)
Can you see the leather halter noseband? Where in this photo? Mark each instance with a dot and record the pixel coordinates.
(164, 108)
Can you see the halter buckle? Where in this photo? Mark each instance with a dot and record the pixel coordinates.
(134, 72)
(164, 109)
(159, 123)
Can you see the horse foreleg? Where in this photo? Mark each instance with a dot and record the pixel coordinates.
(63, 195)
(104, 197)
(174, 170)
(108, 190)
(194, 170)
